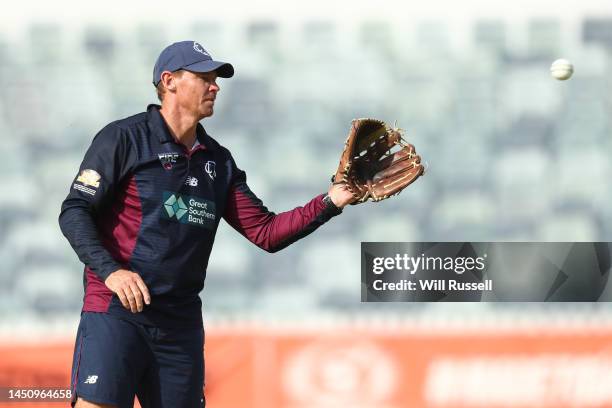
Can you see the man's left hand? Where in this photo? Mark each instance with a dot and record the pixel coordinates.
(340, 195)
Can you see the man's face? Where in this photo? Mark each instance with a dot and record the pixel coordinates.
(197, 91)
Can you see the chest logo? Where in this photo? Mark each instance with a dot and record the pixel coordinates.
(210, 168)
(175, 207)
(190, 210)
(167, 160)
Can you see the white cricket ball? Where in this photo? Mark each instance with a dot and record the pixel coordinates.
(561, 69)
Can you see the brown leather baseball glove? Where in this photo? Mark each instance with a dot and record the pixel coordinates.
(376, 162)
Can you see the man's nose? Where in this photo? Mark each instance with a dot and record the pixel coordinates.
(214, 87)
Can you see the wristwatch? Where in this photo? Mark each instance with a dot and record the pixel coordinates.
(329, 204)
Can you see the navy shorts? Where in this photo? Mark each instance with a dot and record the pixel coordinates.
(116, 360)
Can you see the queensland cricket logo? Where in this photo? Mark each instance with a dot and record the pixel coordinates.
(197, 47)
(167, 160)
(209, 167)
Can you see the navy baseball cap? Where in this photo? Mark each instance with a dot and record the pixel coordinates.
(189, 55)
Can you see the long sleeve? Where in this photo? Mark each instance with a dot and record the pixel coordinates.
(107, 161)
(269, 231)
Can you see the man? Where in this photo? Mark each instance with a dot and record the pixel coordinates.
(142, 216)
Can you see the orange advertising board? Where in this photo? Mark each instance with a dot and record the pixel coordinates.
(386, 368)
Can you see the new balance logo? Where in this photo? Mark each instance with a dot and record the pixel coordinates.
(91, 379)
(191, 181)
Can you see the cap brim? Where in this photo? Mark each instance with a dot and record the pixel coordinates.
(223, 69)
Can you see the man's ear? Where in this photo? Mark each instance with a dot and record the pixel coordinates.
(168, 80)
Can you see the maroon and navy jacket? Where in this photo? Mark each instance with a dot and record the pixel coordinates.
(143, 202)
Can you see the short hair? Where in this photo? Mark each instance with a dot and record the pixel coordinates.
(160, 91)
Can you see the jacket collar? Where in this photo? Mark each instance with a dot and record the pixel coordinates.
(159, 127)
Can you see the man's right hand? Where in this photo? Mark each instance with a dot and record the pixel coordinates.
(130, 288)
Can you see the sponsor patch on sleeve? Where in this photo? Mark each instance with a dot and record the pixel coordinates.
(87, 181)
